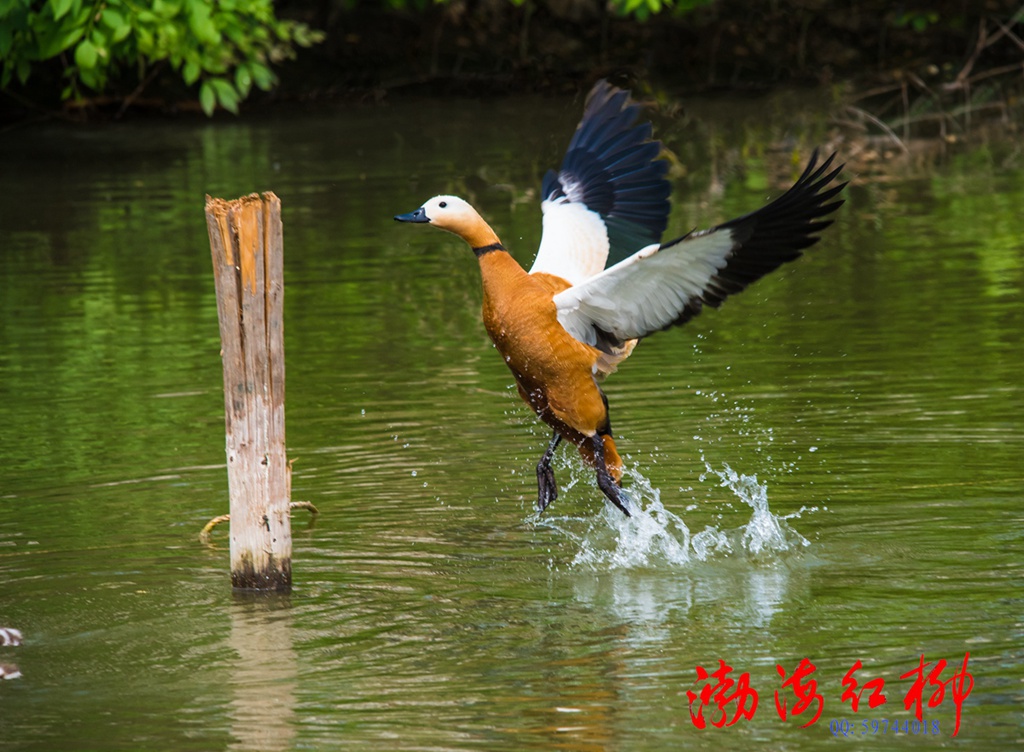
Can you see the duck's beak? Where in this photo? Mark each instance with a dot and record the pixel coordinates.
(420, 215)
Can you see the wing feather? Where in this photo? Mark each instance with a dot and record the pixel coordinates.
(667, 285)
(609, 197)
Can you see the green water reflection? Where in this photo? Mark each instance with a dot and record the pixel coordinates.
(875, 385)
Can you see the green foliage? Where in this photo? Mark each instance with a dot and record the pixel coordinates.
(644, 9)
(917, 20)
(226, 47)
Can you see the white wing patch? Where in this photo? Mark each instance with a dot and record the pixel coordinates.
(645, 292)
(574, 243)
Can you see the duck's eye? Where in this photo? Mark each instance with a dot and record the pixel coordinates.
(443, 204)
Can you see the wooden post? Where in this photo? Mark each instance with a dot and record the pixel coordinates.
(248, 265)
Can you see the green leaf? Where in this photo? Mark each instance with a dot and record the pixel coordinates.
(121, 33)
(82, 14)
(71, 38)
(243, 81)
(85, 54)
(52, 40)
(190, 73)
(145, 41)
(230, 102)
(112, 19)
(207, 98)
(24, 69)
(91, 77)
(202, 25)
(165, 9)
(60, 8)
(239, 36)
(262, 75)
(226, 95)
(115, 21)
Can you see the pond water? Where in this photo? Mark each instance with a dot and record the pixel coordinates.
(830, 464)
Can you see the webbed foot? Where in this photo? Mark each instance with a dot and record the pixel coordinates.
(605, 481)
(547, 488)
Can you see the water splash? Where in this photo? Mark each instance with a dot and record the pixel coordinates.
(765, 533)
(652, 536)
(655, 536)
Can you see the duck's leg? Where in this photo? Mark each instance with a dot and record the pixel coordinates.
(547, 489)
(608, 484)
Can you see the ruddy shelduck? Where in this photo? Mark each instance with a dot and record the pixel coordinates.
(602, 279)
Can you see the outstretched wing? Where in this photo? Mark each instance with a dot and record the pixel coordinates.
(667, 285)
(610, 197)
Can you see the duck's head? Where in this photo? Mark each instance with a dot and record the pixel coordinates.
(453, 214)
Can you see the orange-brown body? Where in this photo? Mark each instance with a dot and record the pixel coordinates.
(554, 371)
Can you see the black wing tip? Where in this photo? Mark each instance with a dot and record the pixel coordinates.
(813, 188)
(608, 112)
(809, 198)
(763, 240)
(603, 91)
(814, 176)
(781, 230)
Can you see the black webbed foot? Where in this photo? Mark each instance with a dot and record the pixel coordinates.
(605, 481)
(547, 488)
